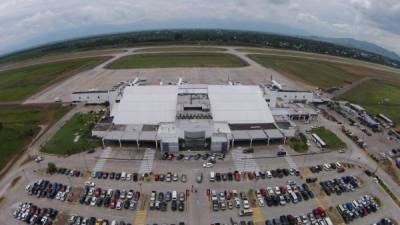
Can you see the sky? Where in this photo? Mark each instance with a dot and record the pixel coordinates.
(27, 23)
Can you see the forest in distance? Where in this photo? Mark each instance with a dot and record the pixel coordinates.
(199, 37)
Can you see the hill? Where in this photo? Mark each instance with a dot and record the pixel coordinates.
(363, 45)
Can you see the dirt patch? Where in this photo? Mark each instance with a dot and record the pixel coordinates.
(392, 171)
(319, 193)
(335, 216)
(27, 160)
(143, 201)
(15, 181)
(371, 72)
(74, 195)
(61, 219)
(251, 194)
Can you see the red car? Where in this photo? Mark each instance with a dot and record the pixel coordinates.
(237, 175)
(282, 189)
(137, 196)
(250, 175)
(263, 192)
(319, 212)
(113, 203)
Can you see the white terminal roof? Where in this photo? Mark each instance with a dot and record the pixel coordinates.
(146, 105)
(239, 104)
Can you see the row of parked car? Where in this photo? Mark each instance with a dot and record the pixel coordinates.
(68, 172)
(32, 214)
(253, 175)
(228, 199)
(335, 166)
(316, 217)
(357, 208)
(211, 157)
(80, 220)
(355, 138)
(282, 195)
(180, 223)
(123, 176)
(126, 176)
(271, 196)
(385, 221)
(160, 200)
(340, 185)
(109, 198)
(51, 190)
(169, 177)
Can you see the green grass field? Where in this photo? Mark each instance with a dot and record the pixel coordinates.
(376, 97)
(319, 73)
(18, 84)
(299, 144)
(182, 49)
(171, 60)
(332, 141)
(20, 124)
(64, 142)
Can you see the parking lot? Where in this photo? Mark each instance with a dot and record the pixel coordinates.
(159, 183)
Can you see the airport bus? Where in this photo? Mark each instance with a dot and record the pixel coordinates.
(318, 140)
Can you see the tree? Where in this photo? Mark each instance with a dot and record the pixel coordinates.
(1, 125)
(51, 168)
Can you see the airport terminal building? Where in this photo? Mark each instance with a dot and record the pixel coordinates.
(190, 116)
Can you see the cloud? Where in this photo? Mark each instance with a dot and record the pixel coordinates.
(384, 14)
(23, 23)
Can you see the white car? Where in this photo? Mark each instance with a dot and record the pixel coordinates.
(208, 165)
(261, 202)
(270, 191)
(39, 159)
(237, 203)
(246, 204)
(282, 200)
(89, 183)
(277, 191)
(119, 205)
(175, 177)
(130, 195)
(128, 176)
(93, 202)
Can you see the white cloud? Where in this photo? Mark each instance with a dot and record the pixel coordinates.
(22, 20)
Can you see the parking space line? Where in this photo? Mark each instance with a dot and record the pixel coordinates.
(258, 216)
